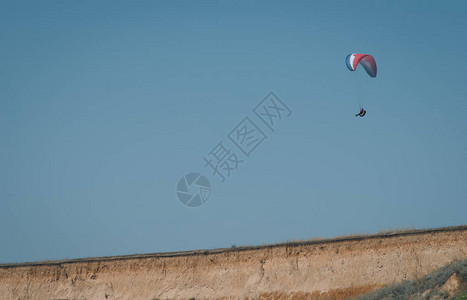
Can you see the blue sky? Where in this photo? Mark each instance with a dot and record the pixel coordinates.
(105, 105)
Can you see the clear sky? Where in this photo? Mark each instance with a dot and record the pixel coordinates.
(105, 105)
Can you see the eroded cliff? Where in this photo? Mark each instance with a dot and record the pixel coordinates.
(326, 269)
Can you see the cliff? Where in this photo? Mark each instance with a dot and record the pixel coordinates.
(318, 269)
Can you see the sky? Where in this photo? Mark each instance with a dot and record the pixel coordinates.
(106, 105)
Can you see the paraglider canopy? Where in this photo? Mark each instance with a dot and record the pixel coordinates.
(367, 61)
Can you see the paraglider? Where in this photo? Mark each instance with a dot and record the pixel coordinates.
(361, 113)
(368, 63)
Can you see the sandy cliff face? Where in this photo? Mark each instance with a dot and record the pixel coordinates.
(330, 269)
